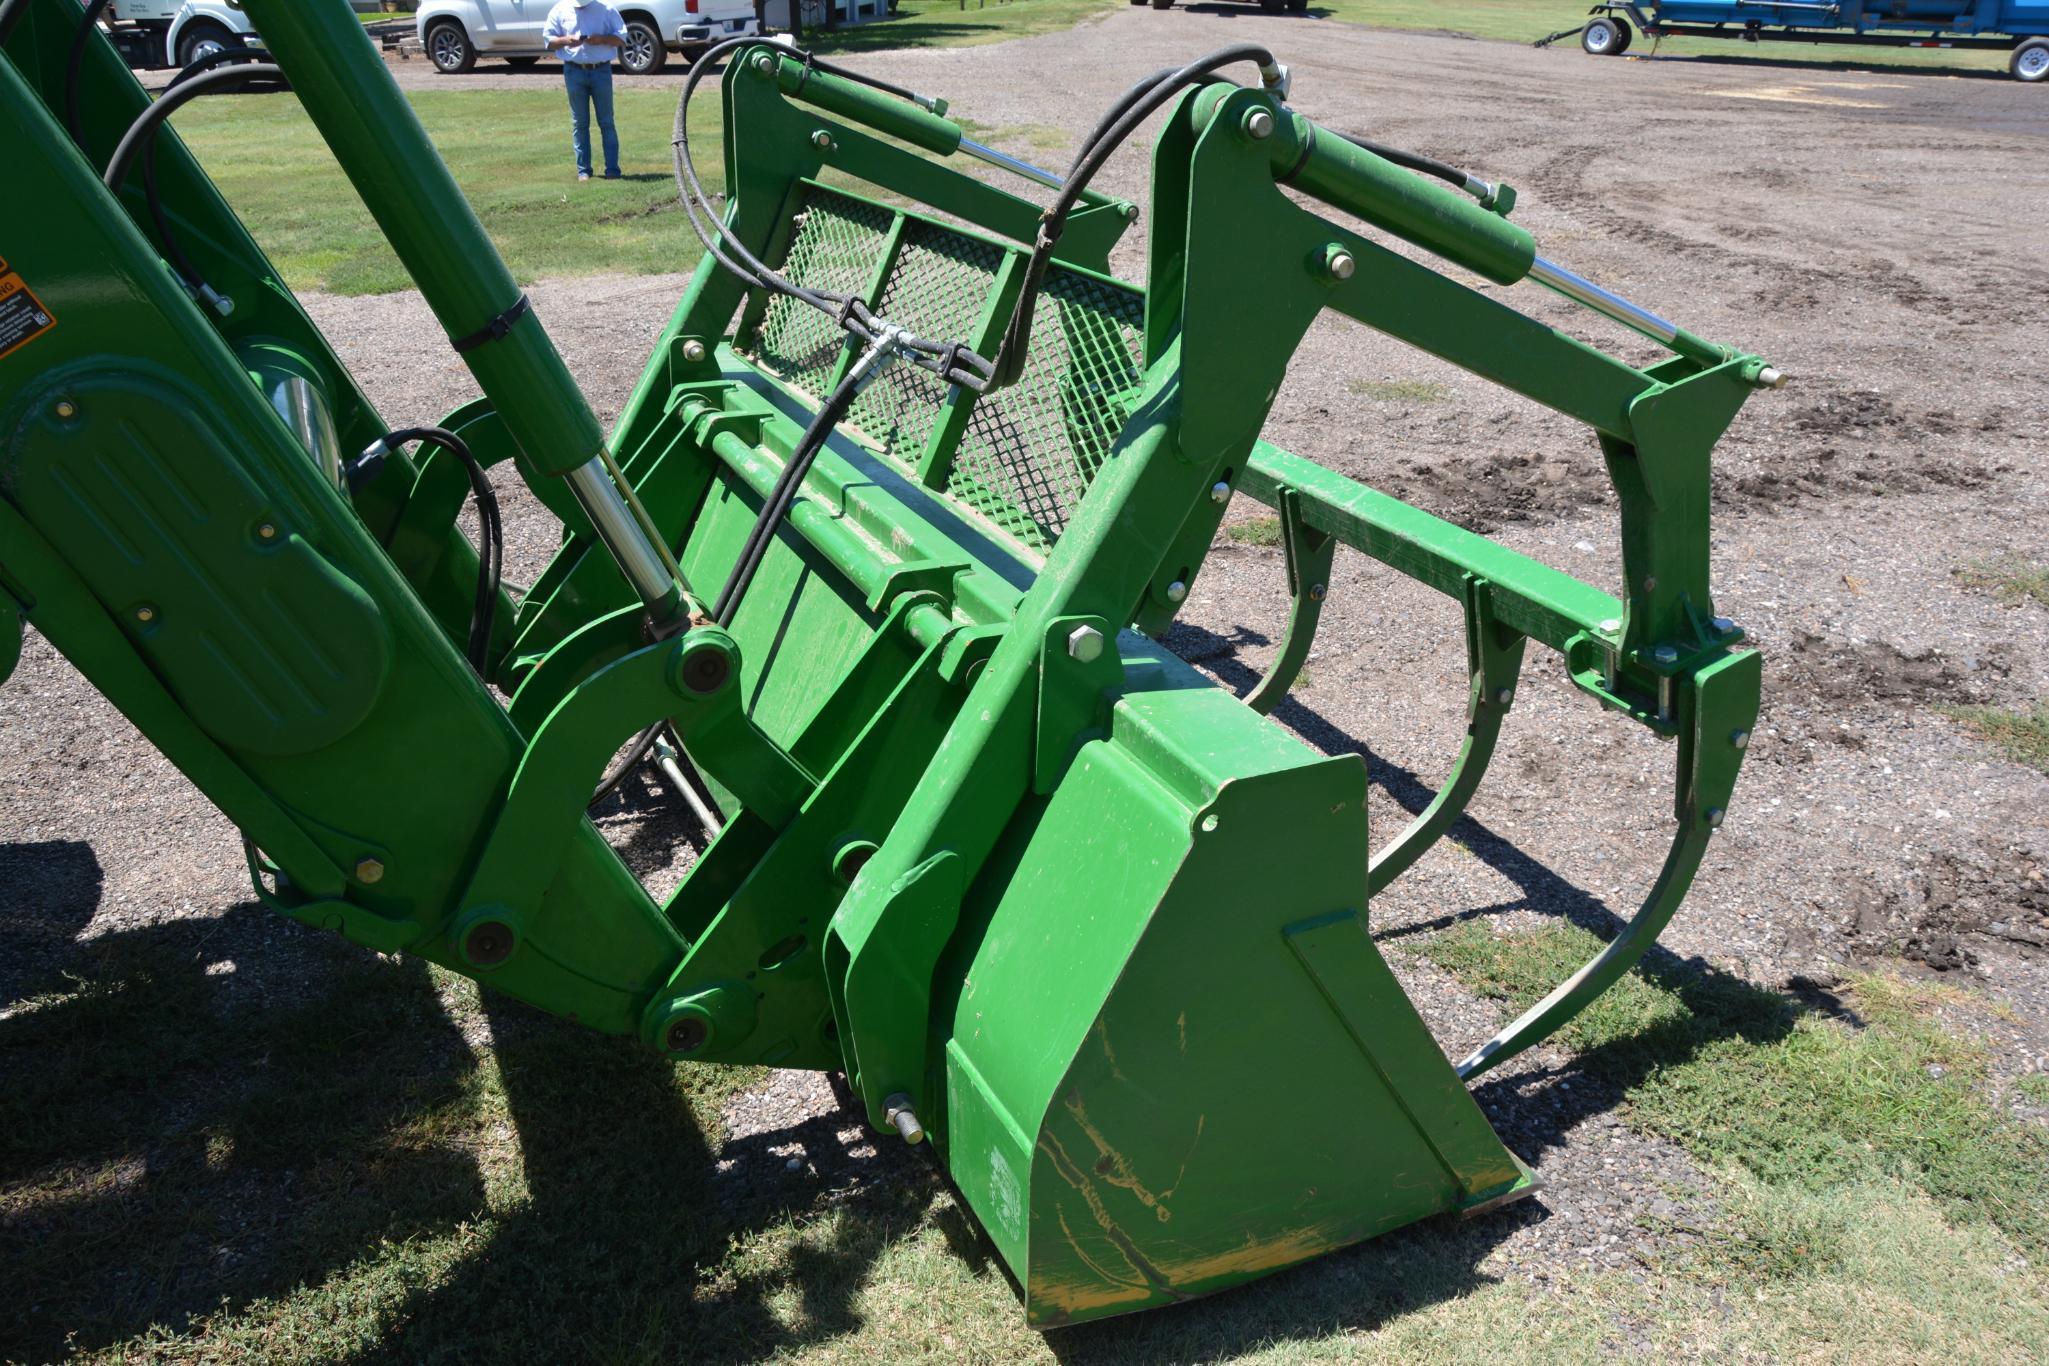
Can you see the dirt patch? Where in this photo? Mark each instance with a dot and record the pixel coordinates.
(1949, 911)
(1811, 668)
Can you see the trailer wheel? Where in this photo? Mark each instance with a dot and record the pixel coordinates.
(450, 48)
(2030, 61)
(1627, 34)
(1603, 37)
(203, 40)
(1163, 4)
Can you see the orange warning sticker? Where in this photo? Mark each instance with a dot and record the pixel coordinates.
(22, 315)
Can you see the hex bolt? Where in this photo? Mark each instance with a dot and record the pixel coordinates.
(1220, 492)
(822, 140)
(145, 614)
(1665, 655)
(706, 669)
(897, 1110)
(1177, 591)
(1722, 625)
(1085, 644)
(1339, 263)
(267, 531)
(1714, 817)
(687, 1035)
(66, 409)
(693, 351)
(1259, 125)
(1503, 696)
(1739, 739)
(1610, 626)
(1317, 590)
(369, 870)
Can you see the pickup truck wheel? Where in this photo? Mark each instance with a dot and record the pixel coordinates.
(203, 40)
(644, 54)
(2031, 61)
(450, 49)
(1601, 38)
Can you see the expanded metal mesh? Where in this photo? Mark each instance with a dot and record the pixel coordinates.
(938, 289)
(1028, 452)
(836, 246)
(1031, 450)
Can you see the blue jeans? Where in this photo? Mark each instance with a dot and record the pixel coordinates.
(591, 85)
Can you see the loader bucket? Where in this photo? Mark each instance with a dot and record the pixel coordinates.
(873, 569)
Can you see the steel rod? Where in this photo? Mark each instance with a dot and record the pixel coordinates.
(1584, 291)
(1049, 179)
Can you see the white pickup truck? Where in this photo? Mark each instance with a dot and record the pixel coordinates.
(154, 33)
(456, 32)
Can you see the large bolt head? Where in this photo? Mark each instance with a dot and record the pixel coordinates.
(687, 1034)
(1085, 644)
(693, 351)
(705, 669)
(488, 943)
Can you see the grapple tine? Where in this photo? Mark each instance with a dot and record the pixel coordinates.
(1309, 554)
(1493, 662)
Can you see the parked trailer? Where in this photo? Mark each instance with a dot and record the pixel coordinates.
(1989, 25)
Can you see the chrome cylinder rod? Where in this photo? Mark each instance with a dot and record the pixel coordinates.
(1586, 292)
(1012, 164)
(639, 559)
(305, 412)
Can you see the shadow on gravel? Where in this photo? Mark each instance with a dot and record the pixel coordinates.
(49, 890)
(177, 1139)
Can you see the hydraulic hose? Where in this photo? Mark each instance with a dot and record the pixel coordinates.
(86, 24)
(490, 532)
(144, 128)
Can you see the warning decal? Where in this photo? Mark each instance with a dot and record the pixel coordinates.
(22, 316)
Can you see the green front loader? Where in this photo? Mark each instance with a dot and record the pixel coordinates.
(873, 570)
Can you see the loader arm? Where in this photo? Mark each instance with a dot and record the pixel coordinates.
(880, 593)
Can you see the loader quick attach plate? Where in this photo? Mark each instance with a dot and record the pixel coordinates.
(1048, 895)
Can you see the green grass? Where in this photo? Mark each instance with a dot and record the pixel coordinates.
(1399, 390)
(1262, 531)
(1798, 1101)
(509, 150)
(2023, 735)
(2012, 578)
(944, 23)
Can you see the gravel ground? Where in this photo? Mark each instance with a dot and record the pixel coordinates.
(1876, 235)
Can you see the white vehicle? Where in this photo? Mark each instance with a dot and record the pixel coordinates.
(153, 33)
(457, 32)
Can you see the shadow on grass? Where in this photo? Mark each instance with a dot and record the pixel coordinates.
(175, 1138)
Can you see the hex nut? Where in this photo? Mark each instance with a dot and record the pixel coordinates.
(693, 351)
(1085, 644)
(369, 870)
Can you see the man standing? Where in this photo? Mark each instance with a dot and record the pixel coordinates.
(587, 36)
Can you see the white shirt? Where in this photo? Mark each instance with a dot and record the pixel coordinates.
(592, 19)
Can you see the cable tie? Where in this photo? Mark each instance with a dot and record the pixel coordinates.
(496, 328)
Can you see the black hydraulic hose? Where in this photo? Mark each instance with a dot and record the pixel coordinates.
(174, 252)
(1132, 109)
(490, 535)
(86, 24)
(636, 753)
(146, 123)
(783, 494)
(1415, 161)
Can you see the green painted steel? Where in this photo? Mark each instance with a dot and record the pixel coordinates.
(983, 843)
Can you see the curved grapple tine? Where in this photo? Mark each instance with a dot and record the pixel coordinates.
(1309, 553)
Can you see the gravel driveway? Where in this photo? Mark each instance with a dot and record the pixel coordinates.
(1879, 236)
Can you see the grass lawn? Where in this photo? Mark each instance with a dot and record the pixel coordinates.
(509, 150)
(320, 1155)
